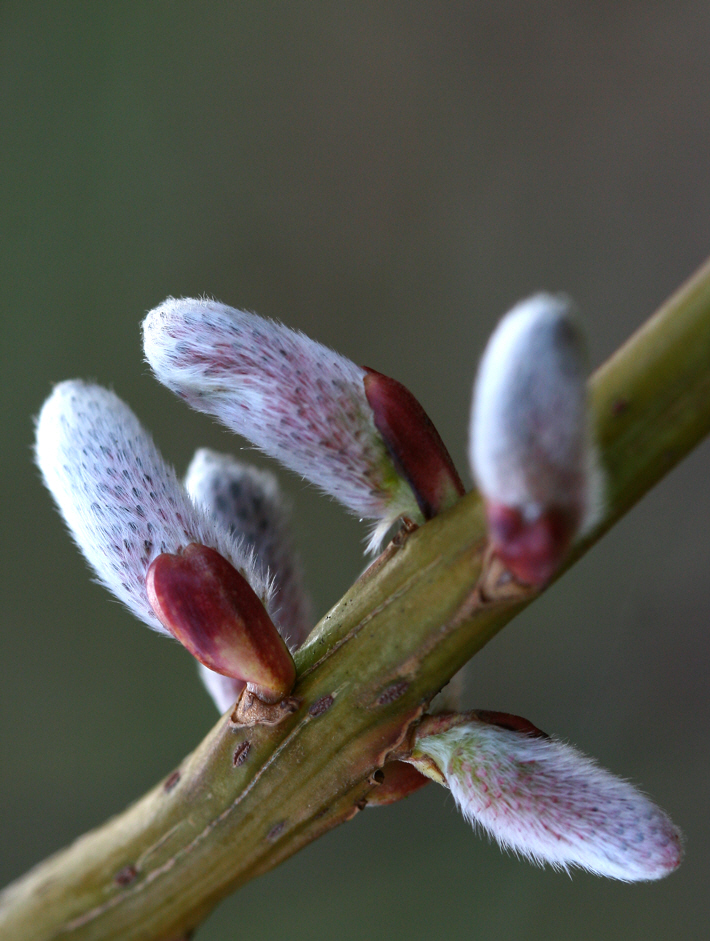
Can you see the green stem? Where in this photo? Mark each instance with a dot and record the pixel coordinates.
(247, 798)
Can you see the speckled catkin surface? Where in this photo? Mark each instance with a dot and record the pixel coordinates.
(122, 503)
(293, 397)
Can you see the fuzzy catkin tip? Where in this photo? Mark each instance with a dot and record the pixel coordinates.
(292, 397)
(121, 502)
(529, 423)
(547, 802)
(531, 447)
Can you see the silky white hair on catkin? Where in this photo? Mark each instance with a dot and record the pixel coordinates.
(292, 397)
(547, 802)
(122, 503)
(530, 441)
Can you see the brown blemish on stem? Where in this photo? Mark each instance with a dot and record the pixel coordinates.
(241, 753)
(320, 706)
(126, 876)
(276, 831)
(392, 693)
(171, 781)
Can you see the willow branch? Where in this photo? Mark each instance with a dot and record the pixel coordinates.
(249, 797)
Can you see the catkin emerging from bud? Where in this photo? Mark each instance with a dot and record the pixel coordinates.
(213, 611)
(121, 502)
(248, 503)
(294, 398)
(545, 801)
(530, 445)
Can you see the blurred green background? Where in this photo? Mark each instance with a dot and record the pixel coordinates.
(390, 178)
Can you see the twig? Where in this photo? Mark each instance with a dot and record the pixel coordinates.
(249, 797)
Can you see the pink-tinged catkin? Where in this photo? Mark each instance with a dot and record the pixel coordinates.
(122, 503)
(531, 450)
(249, 504)
(545, 801)
(294, 398)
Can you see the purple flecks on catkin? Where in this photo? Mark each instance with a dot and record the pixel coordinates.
(294, 398)
(545, 801)
(121, 502)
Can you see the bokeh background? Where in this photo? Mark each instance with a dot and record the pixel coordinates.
(390, 178)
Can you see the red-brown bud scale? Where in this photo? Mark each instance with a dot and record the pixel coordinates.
(414, 444)
(213, 611)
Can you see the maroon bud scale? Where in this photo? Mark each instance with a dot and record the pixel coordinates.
(213, 611)
(413, 443)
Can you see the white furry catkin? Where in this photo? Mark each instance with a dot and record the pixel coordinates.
(121, 502)
(297, 400)
(248, 503)
(530, 445)
(545, 801)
